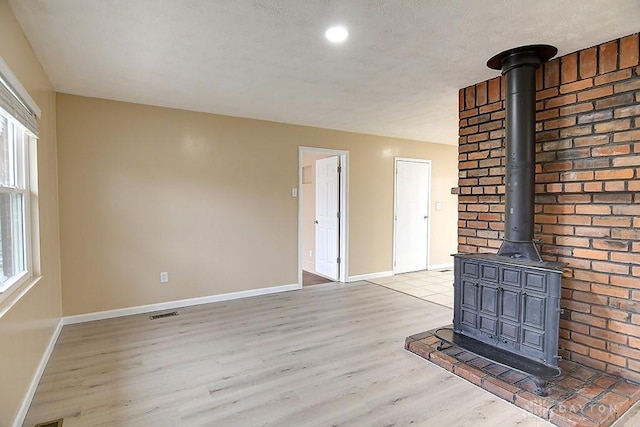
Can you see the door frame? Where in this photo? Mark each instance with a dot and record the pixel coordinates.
(395, 211)
(343, 203)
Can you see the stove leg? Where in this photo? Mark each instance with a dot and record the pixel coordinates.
(443, 346)
(541, 386)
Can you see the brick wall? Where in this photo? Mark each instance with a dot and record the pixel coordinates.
(587, 193)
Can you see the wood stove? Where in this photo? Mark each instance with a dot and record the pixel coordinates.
(507, 305)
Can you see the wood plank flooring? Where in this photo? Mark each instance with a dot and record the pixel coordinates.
(309, 279)
(322, 356)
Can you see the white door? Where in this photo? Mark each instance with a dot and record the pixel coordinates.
(411, 216)
(327, 221)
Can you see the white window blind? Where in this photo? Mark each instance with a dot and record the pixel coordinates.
(15, 100)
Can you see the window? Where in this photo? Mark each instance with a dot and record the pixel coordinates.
(18, 184)
(15, 259)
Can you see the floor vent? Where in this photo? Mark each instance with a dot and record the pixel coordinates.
(163, 315)
(54, 423)
(444, 271)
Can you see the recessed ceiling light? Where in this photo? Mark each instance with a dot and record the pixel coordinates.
(337, 34)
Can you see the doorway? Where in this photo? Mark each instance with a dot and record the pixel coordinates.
(322, 215)
(412, 195)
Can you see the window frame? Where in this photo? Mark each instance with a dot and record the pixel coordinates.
(28, 139)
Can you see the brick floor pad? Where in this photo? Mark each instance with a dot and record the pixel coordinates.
(581, 397)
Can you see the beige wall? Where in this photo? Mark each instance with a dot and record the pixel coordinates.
(207, 198)
(26, 329)
(444, 223)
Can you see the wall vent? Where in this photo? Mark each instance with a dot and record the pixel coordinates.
(54, 423)
(163, 315)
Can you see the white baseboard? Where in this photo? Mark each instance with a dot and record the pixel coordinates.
(31, 391)
(100, 315)
(440, 266)
(370, 276)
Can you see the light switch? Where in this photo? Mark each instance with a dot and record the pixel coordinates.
(438, 206)
(294, 192)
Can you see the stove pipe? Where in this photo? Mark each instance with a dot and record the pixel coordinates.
(519, 66)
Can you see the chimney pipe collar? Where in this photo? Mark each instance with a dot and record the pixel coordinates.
(524, 55)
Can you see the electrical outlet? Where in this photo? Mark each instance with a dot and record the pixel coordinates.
(310, 252)
(164, 277)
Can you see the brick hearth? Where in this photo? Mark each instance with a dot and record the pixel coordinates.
(583, 396)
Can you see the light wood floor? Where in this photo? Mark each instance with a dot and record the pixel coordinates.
(321, 356)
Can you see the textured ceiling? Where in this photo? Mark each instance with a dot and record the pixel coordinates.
(398, 74)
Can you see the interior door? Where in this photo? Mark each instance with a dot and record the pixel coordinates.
(411, 216)
(327, 220)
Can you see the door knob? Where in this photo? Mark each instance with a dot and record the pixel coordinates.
(426, 216)
(316, 221)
